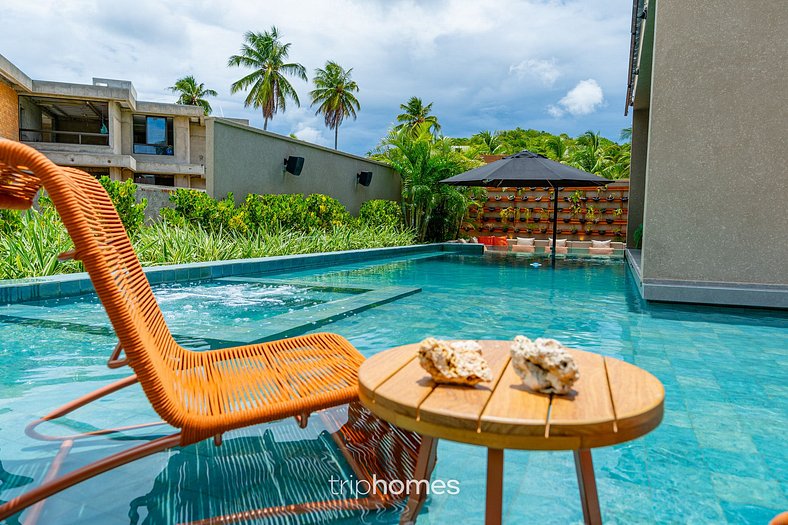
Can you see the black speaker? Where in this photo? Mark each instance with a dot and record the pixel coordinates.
(364, 178)
(294, 165)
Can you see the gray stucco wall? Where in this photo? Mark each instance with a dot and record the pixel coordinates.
(637, 173)
(716, 178)
(158, 197)
(243, 160)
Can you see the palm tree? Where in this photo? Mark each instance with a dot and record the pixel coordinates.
(490, 142)
(192, 93)
(334, 91)
(626, 134)
(557, 148)
(268, 87)
(431, 209)
(415, 114)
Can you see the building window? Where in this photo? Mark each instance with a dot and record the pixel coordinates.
(63, 121)
(156, 180)
(153, 135)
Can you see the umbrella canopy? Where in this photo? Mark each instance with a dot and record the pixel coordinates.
(526, 169)
(529, 169)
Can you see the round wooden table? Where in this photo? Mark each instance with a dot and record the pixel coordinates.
(612, 402)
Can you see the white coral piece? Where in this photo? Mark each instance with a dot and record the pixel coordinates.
(457, 362)
(544, 365)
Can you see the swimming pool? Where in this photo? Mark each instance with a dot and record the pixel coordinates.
(717, 457)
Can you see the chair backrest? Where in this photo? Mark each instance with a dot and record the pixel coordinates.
(103, 246)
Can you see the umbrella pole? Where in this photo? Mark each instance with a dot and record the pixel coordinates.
(555, 223)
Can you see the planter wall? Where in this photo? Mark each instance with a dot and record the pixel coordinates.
(503, 198)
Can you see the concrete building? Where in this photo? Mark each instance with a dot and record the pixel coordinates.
(103, 129)
(709, 103)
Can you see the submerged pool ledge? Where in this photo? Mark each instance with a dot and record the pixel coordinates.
(20, 290)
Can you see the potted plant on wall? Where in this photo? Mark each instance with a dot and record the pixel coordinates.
(618, 213)
(538, 214)
(591, 215)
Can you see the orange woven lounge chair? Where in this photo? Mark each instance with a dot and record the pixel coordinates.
(203, 394)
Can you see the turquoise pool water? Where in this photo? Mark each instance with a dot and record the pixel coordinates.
(718, 457)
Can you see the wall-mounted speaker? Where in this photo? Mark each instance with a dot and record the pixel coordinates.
(364, 178)
(294, 165)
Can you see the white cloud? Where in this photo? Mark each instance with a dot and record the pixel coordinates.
(464, 56)
(583, 99)
(544, 70)
(310, 134)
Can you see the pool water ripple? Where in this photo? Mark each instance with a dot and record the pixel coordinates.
(718, 457)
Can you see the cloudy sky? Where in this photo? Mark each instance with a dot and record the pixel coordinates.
(556, 65)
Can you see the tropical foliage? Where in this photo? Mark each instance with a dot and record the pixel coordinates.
(191, 93)
(431, 209)
(267, 84)
(379, 212)
(199, 229)
(416, 117)
(589, 152)
(334, 94)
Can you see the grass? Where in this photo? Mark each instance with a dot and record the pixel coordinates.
(31, 250)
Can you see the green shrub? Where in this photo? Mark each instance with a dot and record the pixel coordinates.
(10, 221)
(381, 212)
(294, 212)
(326, 212)
(32, 249)
(196, 207)
(123, 195)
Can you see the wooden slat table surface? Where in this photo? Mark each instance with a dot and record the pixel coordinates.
(612, 402)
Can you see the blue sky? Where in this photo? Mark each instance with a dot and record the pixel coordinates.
(555, 65)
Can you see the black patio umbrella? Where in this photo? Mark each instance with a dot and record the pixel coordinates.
(529, 169)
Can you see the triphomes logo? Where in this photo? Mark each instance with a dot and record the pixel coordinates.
(396, 487)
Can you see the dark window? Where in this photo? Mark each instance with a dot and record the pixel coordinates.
(153, 135)
(158, 180)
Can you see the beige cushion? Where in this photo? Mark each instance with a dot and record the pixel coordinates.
(521, 248)
(600, 244)
(559, 243)
(525, 241)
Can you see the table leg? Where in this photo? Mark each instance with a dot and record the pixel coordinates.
(425, 462)
(494, 507)
(587, 483)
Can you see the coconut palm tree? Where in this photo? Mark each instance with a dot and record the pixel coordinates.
(268, 86)
(490, 143)
(334, 92)
(415, 114)
(193, 94)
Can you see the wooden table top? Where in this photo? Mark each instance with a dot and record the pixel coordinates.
(612, 402)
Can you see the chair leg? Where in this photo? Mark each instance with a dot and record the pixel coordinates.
(493, 513)
(586, 481)
(428, 452)
(56, 485)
